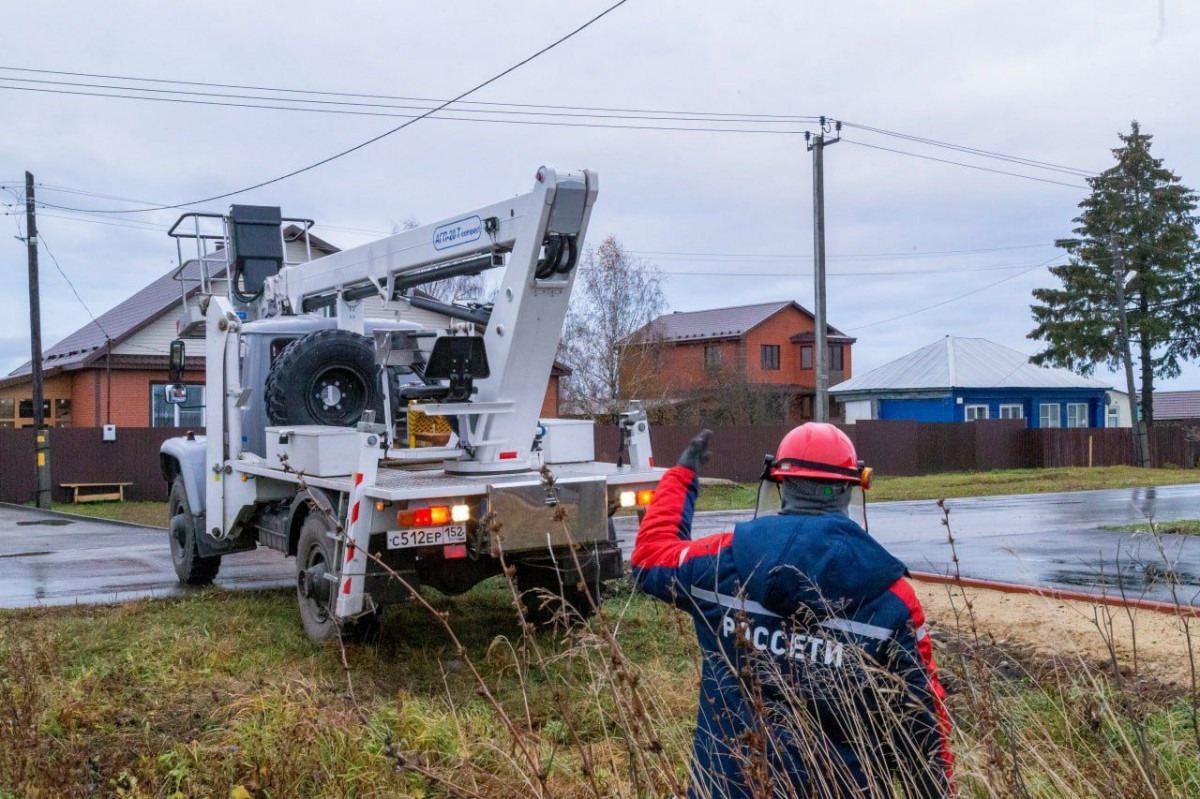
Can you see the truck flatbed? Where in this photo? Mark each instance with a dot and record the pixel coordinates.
(404, 484)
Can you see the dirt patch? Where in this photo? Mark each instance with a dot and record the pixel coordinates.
(1066, 629)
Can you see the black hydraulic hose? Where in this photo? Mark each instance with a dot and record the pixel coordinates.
(547, 266)
(572, 252)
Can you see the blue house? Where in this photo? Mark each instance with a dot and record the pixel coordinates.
(968, 379)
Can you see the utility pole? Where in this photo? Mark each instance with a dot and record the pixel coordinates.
(1141, 441)
(816, 145)
(41, 445)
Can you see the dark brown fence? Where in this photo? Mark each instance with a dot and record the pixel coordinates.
(78, 455)
(914, 448)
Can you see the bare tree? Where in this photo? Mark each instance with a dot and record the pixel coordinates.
(617, 296)
(462, 287)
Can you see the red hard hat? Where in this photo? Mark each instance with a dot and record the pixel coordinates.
(817, 450)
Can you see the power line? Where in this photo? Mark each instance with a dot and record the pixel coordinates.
(779, 117)
(75, 291)
(877, 273)
(146, 94)
(975, 151)
(857, 328)
(793, 257)
(960, 163)
(386, 133)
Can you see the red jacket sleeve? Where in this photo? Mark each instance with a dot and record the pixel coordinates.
(664, 552)
(931, 765)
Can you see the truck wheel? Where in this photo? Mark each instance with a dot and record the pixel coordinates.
(327, 377)
(315, 592)
(181, 530)
(550, 601)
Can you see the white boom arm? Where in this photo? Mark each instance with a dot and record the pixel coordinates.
(526, 322)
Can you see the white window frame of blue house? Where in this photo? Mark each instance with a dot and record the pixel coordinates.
(1052, 419)
(1112, 416)
(1077, 414)
(1012, 410)
(975, 413)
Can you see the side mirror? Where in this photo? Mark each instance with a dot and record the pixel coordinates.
(176, 364)
(175, 393)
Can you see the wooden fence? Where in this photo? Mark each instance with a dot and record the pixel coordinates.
(892, 447)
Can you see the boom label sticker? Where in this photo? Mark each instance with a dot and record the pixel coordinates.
(460, 231)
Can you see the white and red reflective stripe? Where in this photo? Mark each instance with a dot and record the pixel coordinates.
(358, 531)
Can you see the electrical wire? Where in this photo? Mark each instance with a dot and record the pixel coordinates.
(877, 273)
(380, 136)
(42, 243)
(1016, 159)
(608, 110)
(962, 164)
(796, 258)
(856, 328)
(665, 116)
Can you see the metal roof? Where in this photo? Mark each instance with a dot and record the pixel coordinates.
(1176, 405)
(716, 323)
(954, 362)
(123, 320)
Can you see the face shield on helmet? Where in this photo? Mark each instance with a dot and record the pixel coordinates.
(814, 451)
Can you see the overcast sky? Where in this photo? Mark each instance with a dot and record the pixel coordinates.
(1054, 82)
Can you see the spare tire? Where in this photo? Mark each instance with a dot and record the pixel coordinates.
(327, 377)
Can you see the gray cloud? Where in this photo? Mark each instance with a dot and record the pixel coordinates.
(1054, 82)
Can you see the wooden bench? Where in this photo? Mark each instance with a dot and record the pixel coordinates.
(115, 491)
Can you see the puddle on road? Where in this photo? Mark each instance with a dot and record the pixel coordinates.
(1132, 578)
(47, 522)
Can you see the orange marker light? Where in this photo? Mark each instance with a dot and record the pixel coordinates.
(645, 496)
(439, 514)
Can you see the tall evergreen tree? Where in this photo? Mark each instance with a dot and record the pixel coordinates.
(1142, 208)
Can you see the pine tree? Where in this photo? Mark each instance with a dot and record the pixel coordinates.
(1142, 208)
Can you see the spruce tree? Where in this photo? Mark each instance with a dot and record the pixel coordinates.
(1142, 208)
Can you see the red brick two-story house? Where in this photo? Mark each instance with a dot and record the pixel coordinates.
(746, 364)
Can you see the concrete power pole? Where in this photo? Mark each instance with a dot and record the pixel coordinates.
(816, 145)
(41, 446)
(1141, 440)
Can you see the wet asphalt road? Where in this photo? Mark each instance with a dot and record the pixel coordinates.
(48, 559)
(1046, 539)
(1051, 540)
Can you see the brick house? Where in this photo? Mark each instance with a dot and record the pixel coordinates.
(112, 370)
(745, 364)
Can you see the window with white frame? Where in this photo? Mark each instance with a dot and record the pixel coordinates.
(1012, 411)
(1112, 416)
(1048, 415)
(185, 414)
(976, 412)
(1077, 414)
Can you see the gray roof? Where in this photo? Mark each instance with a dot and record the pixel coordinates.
(124, 320)
(716, 323)
(89, 342)
(954, 362)
(1176, 405)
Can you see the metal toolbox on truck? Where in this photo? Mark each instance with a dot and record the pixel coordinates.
(569, 440)
(537, 515)
(316, 450)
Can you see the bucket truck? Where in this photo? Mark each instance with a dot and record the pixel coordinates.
(318, 437)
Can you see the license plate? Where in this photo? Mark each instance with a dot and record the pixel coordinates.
(427, 536)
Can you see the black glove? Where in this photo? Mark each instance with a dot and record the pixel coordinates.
(697, 452)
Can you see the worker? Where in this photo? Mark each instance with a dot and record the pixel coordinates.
(818, 676)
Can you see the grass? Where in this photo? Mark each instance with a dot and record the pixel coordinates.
(975, 484)
(220, 694)
(151, 513)
(1181, 527)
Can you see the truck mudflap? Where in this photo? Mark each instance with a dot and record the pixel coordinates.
(547, 514)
